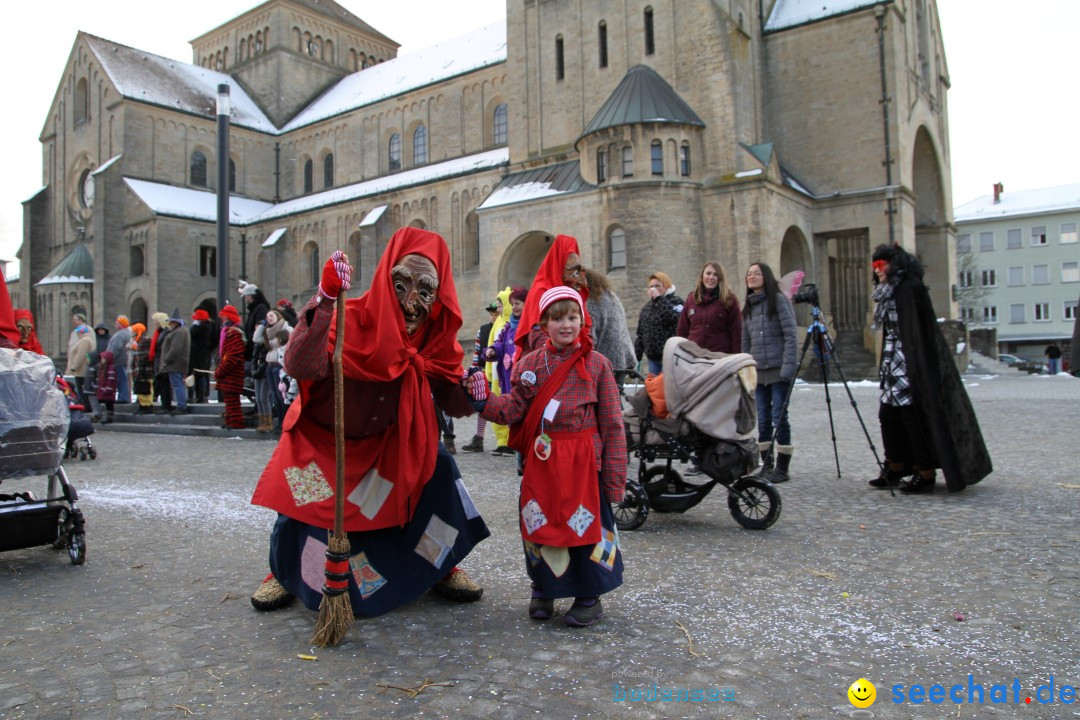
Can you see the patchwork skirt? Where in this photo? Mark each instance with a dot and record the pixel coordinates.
(581, 571)
(392, 566)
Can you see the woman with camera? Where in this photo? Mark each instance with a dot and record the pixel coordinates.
(768, 333)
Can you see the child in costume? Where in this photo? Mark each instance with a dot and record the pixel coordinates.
(565, 414)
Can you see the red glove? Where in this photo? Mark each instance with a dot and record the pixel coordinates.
(336, 276)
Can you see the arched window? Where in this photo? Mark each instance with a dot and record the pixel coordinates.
(328, 170)
(395, 152)
(650, 45)
(616, 249)
(314, 268)
(684, 159)
(657, 156)
(560, 66)
(472, 239)
(628, 161)
(601, 43)
(500, 124)
(309, 172)
(82, 101)
(601, 165)
(419, 145)
(198, 169)
(232, 175)
(137, 264)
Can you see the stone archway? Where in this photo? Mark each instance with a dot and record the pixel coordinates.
(932, 235)
(138, 312)
(522, 259)
(795, 255)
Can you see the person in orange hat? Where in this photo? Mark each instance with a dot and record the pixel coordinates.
(408, 515)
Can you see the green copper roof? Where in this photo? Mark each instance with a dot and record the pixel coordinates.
(643, 96)
(76, 267)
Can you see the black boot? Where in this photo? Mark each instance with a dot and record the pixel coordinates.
(779, 474)
(766, 452)
(889, 477)
(474, 445)
(919, 484)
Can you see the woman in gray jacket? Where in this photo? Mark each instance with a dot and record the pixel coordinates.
(768, 333)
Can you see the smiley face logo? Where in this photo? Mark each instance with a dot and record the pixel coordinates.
(862, 693)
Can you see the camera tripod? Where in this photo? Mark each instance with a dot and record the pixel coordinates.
(817, 336)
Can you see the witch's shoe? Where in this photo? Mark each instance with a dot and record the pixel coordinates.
(889, 476)
(459, 587)
(270, 595)
(541, 608)
(584, 612)
(919, 484)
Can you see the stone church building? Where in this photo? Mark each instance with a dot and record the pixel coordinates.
(659, 133)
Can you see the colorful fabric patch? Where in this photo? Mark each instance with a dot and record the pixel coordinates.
(532, 551)
(604, 552)
(308, 485)
(368, 580)
(533, 516)
(313, 563)
(466, 500)
(557, 558)
(371, 493)
(437, 541)
(580, 521)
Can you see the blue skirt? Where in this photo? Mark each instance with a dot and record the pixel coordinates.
(392, 566)
(581, 571)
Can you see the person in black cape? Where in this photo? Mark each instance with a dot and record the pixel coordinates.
(927, 420)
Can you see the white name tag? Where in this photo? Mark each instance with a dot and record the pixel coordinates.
(551, 409)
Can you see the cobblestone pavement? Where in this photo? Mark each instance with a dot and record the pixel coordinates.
(849, 583)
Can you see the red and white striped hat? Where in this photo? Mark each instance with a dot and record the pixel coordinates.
(559, 292)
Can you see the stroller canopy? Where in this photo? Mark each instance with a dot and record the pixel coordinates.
(711, 390)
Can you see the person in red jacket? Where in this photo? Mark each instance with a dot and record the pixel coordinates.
(711, 316)
(230, 370)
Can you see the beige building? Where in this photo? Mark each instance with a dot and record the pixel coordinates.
(660, 133)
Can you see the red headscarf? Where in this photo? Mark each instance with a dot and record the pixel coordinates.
(8, 331)
(31, 342)
(548, 276)
(377, 349)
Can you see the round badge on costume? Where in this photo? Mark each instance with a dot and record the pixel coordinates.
(528, 378)
(542, 447)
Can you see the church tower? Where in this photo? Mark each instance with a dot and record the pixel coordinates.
(287, 52)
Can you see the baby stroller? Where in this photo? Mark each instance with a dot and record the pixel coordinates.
(79, 428)
(34, 422)
(712, 424)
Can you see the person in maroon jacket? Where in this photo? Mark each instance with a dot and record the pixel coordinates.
(230, 370)
(711, 316)
(106, 386)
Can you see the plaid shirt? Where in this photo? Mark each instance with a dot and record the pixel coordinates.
(895, 385)
(595, 403)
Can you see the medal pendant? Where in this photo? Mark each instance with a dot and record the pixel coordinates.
(542, 446)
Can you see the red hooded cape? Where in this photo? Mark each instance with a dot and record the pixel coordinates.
(377, 349)
(548, 276)
(31, 343)
(7, 318)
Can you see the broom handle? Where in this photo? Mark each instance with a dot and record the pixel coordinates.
(339, 420)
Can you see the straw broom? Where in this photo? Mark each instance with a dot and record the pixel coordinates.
(335, 610)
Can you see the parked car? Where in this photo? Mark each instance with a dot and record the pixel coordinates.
(1035, 367)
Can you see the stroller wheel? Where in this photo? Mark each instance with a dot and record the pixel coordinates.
(77, 548)
(64, 526)
(754, 503)
(660, 479)
(632, 512)
(93, 453)
(82, 454)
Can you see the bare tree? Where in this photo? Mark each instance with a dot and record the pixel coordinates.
(970, 290)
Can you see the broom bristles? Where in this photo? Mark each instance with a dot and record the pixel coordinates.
(335, 611)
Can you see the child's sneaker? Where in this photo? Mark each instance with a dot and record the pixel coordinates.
(584, 612)
(541, 608)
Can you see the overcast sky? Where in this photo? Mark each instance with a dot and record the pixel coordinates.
(1012, 116)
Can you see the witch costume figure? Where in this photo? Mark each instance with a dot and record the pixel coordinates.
(408, 515)
(927, 420)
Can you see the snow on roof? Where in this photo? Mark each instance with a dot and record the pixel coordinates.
(202, 204)
(789, 13)
(557, 179)
(61, 279)
(466, 53)
(415, 176)
(1023, 202)
(105, 165)
(193, 204)
(173, 84)
(273, 237)
(373, 217)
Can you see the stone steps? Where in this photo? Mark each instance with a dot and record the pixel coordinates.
(202, 421)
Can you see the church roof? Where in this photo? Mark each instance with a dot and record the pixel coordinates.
(475, 50)
(1022, 202)
(331, 9)
(76, 267)
(173, 84)
(642, 96)
(791, 13)
(558, 179)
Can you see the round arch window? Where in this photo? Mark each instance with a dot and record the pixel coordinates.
(86, 189)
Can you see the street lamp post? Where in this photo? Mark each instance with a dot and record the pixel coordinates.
(223, 110)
